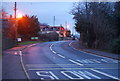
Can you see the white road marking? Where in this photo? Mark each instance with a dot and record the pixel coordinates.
(89, 61)
(20, 53)
(52, 49)
(44, 74)
(104, 60)
(90, 53)
(53, 75)
(64, 72)
(54, 52)
(82, 74)
(21, 60)
(75, 62)
(90, 74)
(70, 43)
(105, 74)
(96, 61)
(60, 55)
(80, 61)
(85, 61)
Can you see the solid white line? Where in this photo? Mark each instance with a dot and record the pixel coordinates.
(105, 74)
(60, 55)
(75, 62)
(90, 53)
(21, 59)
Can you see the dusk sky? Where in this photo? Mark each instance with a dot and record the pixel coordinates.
(45, 11)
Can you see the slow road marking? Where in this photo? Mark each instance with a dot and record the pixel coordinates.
(75, 62)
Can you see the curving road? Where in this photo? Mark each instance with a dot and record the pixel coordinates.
(59, 61)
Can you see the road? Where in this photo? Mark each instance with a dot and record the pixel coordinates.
(59, 61)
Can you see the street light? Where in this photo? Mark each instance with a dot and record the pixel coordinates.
(68, 27)
(19, 15)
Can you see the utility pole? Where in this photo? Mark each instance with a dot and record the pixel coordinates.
(15, 9)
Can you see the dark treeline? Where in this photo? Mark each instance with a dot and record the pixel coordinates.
(28, 27)
(98, 24)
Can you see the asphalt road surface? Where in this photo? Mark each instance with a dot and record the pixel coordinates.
(59, 61)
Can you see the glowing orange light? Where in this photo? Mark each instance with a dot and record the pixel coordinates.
(19, 15)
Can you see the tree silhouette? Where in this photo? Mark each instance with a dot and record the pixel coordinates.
(28, 27)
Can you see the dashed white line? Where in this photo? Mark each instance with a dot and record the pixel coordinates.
(105, 74)
(54, 52)
(75, 62)
(52, 49)
(60, 55)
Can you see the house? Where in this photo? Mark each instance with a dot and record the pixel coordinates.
(48, 29)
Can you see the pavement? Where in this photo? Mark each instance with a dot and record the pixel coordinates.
(76, 45)
(11, 64)
(57, 60)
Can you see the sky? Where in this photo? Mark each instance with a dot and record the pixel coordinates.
(45, 11)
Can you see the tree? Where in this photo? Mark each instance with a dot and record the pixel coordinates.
(117, 17)
(28, 27)
(93, 22)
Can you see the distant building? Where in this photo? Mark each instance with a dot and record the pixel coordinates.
(48, 29)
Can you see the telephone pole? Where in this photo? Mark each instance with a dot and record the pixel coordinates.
(15, 9)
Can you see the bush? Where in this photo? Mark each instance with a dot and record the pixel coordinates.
(116, 45)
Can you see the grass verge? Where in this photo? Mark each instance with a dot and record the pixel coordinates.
(29, 42)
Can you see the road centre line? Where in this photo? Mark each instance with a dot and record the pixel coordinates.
(75, 62)
(60, 55)
(54, 52)
(105, 74)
